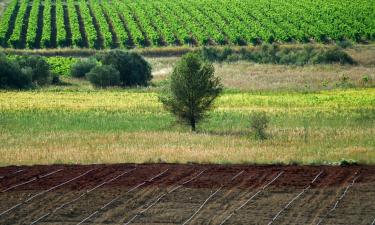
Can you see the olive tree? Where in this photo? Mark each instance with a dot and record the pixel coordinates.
(192, 90)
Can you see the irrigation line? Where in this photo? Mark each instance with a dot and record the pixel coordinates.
(212, 195)
(80, 196)
(176, 187)
(15, 172)
(339, 199)
(252, 197)
(43, 192)
(31, 180)
(295, 198)
(118, 197)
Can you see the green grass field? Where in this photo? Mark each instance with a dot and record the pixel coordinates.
(113, 126)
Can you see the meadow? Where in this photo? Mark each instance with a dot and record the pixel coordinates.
(112, 126)
(116, 24)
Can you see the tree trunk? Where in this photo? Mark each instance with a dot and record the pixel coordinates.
(192, 124)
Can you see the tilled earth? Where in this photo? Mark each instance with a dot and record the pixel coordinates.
(187, 194)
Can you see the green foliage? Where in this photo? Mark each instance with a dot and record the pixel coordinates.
(6, 20)
(91, 34)
(195, 22)
(104, 76)
(134, 69)
(192, 90)
(77, 40)
(60, 25)
(272, 53)
(38, 68)
(47, 31)
(335, 55)
(348, 162)
(33, 25)
(15, 38)
(12, 76)
(61, 65)
(82, 67)
(258, 123)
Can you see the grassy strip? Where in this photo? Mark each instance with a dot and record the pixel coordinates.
(159, 51)
(130, 126)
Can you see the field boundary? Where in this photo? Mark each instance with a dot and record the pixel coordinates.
(159, 51)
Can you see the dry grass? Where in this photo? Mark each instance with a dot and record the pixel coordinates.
(324, 146)
(248, 76)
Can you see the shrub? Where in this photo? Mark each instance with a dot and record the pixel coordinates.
(11, 75)
(104, 76)
(335, 55)
(193, 89)
(344, 44)
(133, 68)
(259, 123)
(40, 69)
(82, 67)
(348, 162)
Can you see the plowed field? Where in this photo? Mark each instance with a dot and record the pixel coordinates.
(187, 194)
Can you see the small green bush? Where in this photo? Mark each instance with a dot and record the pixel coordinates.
(134, 69)
(273, 54)
(104, 76)
(258, 124)
(335, 55)
(82, 67)
(12, 76)
(39, 69)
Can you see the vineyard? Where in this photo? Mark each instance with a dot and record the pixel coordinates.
(127, 24)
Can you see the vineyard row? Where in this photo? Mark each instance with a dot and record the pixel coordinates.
(116, 23)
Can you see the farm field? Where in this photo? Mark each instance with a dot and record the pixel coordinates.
(187, 194)
(316, 117)
(120, 24)
(112, 126)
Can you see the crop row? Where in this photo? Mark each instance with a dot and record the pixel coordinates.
(116, 23)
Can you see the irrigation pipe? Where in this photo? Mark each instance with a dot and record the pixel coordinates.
(212, 195)
(31, 180)
(43, 192)
(176, 187)
(118, 197)
(5, 176)
(295, 198)
(251, 198)
(79, 197)
(339, 199)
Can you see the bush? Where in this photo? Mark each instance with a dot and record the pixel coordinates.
(11, 75)
(40, 69)
(259, 123)
(133, 68)
(104, 76)
(82, 67)
(335, 55)
(272, 53)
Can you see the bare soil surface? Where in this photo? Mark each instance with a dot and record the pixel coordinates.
(187, 194)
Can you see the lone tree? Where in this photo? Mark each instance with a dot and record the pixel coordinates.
(193, 88)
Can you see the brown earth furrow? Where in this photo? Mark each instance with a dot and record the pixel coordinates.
(134, 193)
(68, 200)
(26, 210)
(111, 202)
(230, 198)
(135, 204)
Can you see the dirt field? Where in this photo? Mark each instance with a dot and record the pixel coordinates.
(187, 194)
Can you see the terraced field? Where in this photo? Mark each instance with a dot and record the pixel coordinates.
(127, 24)
(187, 194)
